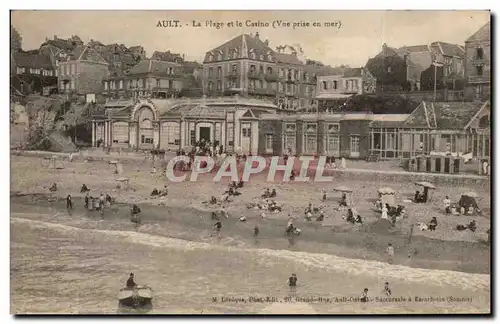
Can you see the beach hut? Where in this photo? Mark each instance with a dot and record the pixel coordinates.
(387, 196)
(468, 199)
(347, 191)
(426, 185)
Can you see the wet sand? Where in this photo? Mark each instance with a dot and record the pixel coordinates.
(196, 225)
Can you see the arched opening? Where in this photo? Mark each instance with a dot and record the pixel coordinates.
(146, 129)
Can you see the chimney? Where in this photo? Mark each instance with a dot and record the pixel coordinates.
(384, 46)
(257, 35)
(183, 57)
(266, 42)
(55, 37)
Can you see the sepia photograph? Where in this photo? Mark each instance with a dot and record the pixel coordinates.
(250, 162)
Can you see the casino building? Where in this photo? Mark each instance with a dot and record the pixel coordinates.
(253, 126)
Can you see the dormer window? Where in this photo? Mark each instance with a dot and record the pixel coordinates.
(252, 55)
(235, 54)
(262, 58)
(219, 57)
(269, 57)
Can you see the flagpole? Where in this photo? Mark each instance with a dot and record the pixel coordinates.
(435, 81)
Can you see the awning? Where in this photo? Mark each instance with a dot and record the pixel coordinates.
(333, 96)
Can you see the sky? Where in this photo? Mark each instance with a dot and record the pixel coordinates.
(353, 38)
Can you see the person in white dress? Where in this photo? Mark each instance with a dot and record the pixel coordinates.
(384, 212)
(343, 164)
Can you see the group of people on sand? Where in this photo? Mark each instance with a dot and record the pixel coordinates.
(100, 203)
(456, 209)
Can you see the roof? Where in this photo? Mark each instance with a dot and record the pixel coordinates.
(166, 56)
(35, 61)
(443, 115)
(287, 58)
(63, 44)
(189, 67)
(388, 120)
(386, 51)
(448, 49)
(135, 48)
(244, 44)
(484, 33)
(151, 67)
(455, 115)
(353, 72)
(413, 48)
(328, 70)
(87, 53)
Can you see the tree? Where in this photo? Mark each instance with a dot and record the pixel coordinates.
(16, 41)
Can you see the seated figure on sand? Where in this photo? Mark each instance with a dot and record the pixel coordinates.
(433, 224)
(53, 187)
(343, 200)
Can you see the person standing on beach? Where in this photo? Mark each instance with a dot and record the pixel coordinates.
(102, 201)
(364, 296)
(387, 291)
(390, 253)
(292, 283)
(69, 203)
(447, 205)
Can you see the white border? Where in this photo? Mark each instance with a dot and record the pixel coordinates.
(185, 4)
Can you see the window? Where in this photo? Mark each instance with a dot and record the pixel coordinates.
(234, 68)
(269, 143)
(389, 69)
(333, 128)
(261, 84)
(252, 55)
(391, 141)
(192, 137)
(219, 71)
(269, 57)
(324, 85)
(310, 138)
(261, 69)
(289, 140)
(20, 70)
(105, 86)
(219, 57)
(252, 69)
(235, 54)
(335, 85)
(355, 146)
(261, 57)
(246, 131)
(210, 71)
(121, 84)
(210, 86)
(479, 53)
(269, 70)
(333, 143)
(219, 85)
(479, 70)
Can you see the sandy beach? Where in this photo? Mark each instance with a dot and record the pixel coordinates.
(332, 244)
